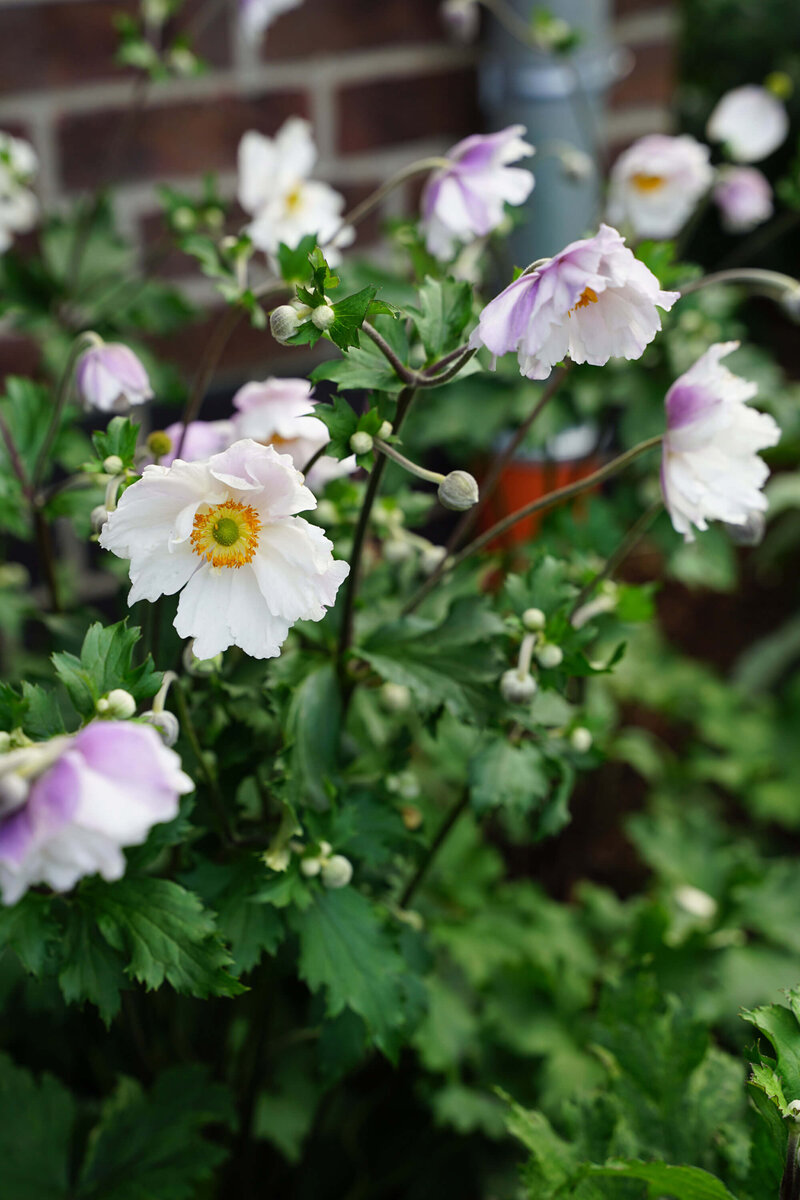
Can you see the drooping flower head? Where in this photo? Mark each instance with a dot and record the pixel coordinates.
(224, 534)
(744, 198)
(275, 188)
(750, 122)
(69, 805)
(656, 183)
(202, 439)
(19, 207)
(279, 412)
(110, 377)
(592, 302)
(256, 16)
(466, 200)
(710, 469)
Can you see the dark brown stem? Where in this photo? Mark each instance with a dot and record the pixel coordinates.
(13, 455)
(549, 501)
(359, 537)
(441, 835)
(408, 376)
(44, 545)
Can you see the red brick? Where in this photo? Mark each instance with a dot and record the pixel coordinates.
(333, 26)
(392, 111)
(652, 80)
(627, 8)
(179, 139)
(52, 45)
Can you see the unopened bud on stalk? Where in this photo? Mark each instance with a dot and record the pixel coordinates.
(113, 465)
(516, 688)
(200, 666)
(159, 443)
(184, 218)
(182, 61)
(323, 316)
(337, 871)
(117, 705)
(395, 697)
(534, 619)
(283, 323)
(310, 866)
(385, 430)
(550, 656)
(696, 902)
(166, 723)
(458, 491)
(581, 739)
(99, 516)
(361, 442)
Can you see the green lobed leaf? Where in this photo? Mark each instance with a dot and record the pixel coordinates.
(677, 1182)
(91, 969)
(164, 933)
(30, 930)
(350, 315)
(445, 309)
(293, 263)
(504, 774)
(312, 729)
(105, 663)
(36, 1121)
(120, 438)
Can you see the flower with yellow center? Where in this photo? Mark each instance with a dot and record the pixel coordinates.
(656, 184)
(184, 526)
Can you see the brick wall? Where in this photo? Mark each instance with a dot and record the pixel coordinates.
(378, 79)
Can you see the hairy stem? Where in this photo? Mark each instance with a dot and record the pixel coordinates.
(553, 498)
(407, 464)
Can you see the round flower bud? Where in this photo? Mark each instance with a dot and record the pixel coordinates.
(113, 465)
(182, 61)
(385, 430)
(184, 218)
(780, 84)
(99, 516)
(412, 817)
(458, 491)
(310, 867)
(534, 619)
(337, 871)
(395, 697)
(326, 512)
(581, 739)
(361, 442)
(325, 849)
(118, 704)
(323, 317)
(166, 723)
(283, 323)
(214, 216)
(696, 902)
(14, 575)
(516, 688)
(159, 443)
(550, 656)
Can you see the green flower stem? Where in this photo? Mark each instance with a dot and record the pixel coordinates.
(769, 283)
(406, 463)
(441, 836)
(420, 379)
(357, 214)
(548, 501)
(359, 537)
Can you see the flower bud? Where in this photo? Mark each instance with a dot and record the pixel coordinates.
(118, 705)
(323, 317)
(395, 697)
(110, 377)
(361, 442)
(534, 619)
(182, 61)
(113, 465)
(14, 575)
(458, 491)
(310, 867)
(550, 656)
(405, 784)
(431, 558)
(793, 1108)
(780, 84)
(184, 219)
(581, 739)
(696, 902)
(325, 849)
(166, 723)
(337, 871)
(516, 688)
(283, 323)
(385, 430)
(98, 517)
(159, 443)
(214, 216)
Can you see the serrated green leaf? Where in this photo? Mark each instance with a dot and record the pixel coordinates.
(149, 1146)
(677, 1182)
(30, 930)
(445, 309)
(504, 774)
(247, 922)
(164, 933)
(342, 422)
(120, 438)
(345, 950)
(105, 663)
(350, 315)
(312, 728)
(91, 970)
(293, 264)
(36, 1121)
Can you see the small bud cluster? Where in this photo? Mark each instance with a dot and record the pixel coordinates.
(334, 870)
(517, 685)
(286, 319)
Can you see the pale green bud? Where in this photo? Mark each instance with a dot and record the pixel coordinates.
(166, 723)
(395, 697)
(118, 705)
(550, 656)
(361, 442)
(337, 871)
(113, 465)
(385, 430)
(581, 739)
(516, 688)
(534, 619)
(458, 491)
(323, 317)
(283, 323)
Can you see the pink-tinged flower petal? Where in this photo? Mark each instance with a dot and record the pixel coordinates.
(202, 439)
(710, 467)
(110, 377)
(744, 198)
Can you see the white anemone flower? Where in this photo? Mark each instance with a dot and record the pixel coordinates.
(280, 413)
(750, 122)
(467, 199)
(286, 205)
(224, 533)
(592, 302)
(256, 16)
(656, 183)
(744, 198)
(710, 469)
(19, 207)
